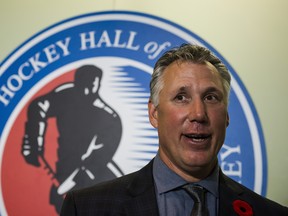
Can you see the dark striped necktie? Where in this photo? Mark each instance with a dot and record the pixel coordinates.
(198, 195)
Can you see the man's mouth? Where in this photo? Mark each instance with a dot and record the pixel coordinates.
(198, 138)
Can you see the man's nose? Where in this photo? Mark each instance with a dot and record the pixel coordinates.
(197, 111)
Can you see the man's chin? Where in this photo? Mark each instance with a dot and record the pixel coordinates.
(200, 161)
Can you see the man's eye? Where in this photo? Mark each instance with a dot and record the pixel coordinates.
(180, 98)
(211, 98)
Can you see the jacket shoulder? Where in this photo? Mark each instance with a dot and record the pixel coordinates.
(231, 190)
(110, 197)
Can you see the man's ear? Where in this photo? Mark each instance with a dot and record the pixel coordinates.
(153, 114)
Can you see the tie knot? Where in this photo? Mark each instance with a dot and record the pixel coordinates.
(198, 195)
(196, 192)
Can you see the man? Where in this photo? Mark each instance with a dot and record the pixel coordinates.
(188, 106)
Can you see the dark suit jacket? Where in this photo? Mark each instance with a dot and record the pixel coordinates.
(134, 195)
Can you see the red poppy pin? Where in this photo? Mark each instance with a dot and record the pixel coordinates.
(242, 208)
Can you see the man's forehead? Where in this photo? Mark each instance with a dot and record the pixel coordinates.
(207, 87)
(188, 83)
(190, 71)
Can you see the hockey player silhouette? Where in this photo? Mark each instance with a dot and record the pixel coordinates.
(89, 133)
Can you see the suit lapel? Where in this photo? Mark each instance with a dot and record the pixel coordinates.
(142, 191)
(229, 191)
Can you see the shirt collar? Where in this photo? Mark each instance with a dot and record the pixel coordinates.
(211, 182)
(167, 180)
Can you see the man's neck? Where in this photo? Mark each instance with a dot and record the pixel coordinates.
(191, 174)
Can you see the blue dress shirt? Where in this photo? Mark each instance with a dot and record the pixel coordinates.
(175, 201)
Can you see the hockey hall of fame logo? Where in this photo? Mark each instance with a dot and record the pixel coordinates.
(73, 104)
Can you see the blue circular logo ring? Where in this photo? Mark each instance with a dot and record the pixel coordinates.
(126, 44)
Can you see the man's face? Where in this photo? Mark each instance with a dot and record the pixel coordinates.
(191, 119)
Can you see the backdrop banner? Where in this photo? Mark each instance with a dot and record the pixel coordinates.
(73, 104)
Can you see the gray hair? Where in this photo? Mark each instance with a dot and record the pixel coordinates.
(187, 53)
